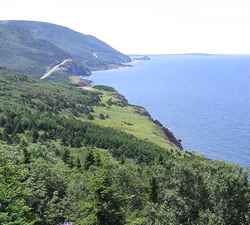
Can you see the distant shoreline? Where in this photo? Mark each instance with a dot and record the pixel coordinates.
(181, 82)
(193, 54)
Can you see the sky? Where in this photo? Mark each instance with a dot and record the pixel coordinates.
(147, 26)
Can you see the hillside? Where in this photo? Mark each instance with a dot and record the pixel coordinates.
(88, 157)
(34, 47)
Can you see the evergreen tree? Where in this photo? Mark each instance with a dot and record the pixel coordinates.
(26, 153)
(90, 117)
(35, 135)
(78, 163)
(154, 189)
(13, 202)
(161, 160)
(55, 211)
(109, 202)
(161, 215)
(66, 156)
(90, 160)
(6, 137)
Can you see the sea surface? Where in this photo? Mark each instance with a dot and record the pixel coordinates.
(203, 99)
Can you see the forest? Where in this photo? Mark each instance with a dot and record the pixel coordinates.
(57, 165)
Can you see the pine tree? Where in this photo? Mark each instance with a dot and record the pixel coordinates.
(13, 194)
(35, 136)
(26, 155)
(109, 203)
(90, 160)
(161, 160)
(78, 163)
(154, 189)
(24, 149)
(66, 156)
(6, 137)
(55, 210)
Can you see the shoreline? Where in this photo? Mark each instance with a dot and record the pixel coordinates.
(110, 67)
(87, 84)
(113, 67)
(130, 64)
(167, 132)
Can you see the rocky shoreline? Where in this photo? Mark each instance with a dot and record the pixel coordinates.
(112, 67)
(141, 110)
(167, 132)
(85, 83)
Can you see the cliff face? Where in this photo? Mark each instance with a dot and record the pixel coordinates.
(167, 132)
(169, 135)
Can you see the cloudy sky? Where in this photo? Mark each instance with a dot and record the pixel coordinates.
(147, 26)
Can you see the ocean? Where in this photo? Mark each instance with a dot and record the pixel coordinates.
(203, 99)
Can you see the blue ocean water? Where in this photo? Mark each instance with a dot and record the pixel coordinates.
(203, 99)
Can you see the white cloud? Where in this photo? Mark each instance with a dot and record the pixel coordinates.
(153, 26)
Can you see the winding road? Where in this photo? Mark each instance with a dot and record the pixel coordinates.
(55, 68)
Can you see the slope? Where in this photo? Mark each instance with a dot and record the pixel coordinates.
(58, 166)
(90, 51)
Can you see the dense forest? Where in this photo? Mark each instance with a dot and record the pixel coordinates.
(57, 165)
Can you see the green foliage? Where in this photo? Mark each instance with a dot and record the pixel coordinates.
(58, 119)
(14, 208)
(109, 202)
(90, 160)
(104, 88)
(56, 167)
(154, 190)
(31, 47)
(22, 52)
(209, 218)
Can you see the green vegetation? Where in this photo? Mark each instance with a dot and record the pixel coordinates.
(32, 47)
(61, 161)
(131, 119)
(20, 51)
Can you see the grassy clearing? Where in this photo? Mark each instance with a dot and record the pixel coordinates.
(118, 114)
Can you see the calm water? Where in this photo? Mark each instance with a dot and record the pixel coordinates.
(204, 100)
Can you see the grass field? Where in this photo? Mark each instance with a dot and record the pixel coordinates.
(118, 114)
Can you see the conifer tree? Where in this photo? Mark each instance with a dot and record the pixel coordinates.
(109, 202)
(154, 189)
(26, 153)
(66, 156)
(90, 160)
(78, 163)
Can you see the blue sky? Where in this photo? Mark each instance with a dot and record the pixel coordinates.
(147, 26)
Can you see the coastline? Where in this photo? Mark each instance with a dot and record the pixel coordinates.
(87, 84)
(134, 61)
(167, 132)
(113, 67)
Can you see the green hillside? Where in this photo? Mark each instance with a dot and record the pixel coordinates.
(119, 114)
(35, 47)
(91, 51)
(67, 155)
(21, 52)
